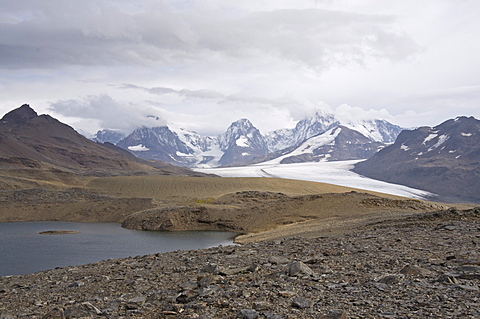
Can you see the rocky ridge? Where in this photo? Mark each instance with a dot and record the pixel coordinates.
(391, 269)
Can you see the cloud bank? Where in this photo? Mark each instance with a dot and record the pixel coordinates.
(52, 34)
(111, 63)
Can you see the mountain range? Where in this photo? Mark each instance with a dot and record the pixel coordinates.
(321, 137)
(444, 159)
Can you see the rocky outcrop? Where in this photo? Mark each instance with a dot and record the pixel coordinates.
(386, 270)
(180, 218)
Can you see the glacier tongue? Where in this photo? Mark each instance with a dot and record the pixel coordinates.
(337, 173)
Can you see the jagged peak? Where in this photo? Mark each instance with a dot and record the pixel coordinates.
(243, 123)
(19, 115)
(319, 116)
(322, 113)
(240, 127)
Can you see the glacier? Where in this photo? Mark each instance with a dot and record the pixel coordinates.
(337, 173)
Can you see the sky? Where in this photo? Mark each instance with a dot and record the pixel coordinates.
(202, 64)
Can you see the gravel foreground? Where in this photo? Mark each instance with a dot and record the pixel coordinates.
(419, 267)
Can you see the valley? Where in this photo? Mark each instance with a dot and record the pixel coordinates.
(50, 172)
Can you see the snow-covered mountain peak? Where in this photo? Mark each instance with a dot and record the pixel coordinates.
(240, 133)
(242, 124)
(241, 143)
(318, 123)
(240, 127)
(376, 130)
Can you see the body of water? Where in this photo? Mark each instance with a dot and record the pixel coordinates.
(23, 250)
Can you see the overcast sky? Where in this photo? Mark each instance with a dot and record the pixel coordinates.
(202, 64)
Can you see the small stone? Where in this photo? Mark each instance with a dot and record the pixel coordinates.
(415, 270)
(208, 291)
(447, 278)
(231, 271)
(248, 314)
(54, 313)
(186, 296)
(140, 300)
(299, 268)
(83, 310)
(188, 285)
(277, 260)
(211, 268)
(389, 280)
(302, 303)
(287, 293)
(206, 280)
(253, 268)
(76, 284)
(261, 305)
(450, 227)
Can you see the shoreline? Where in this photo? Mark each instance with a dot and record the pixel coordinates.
(385, 269)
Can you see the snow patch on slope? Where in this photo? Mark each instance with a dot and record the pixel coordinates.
(138, 148)
(242, 141)
(429, 138)
(441, 139)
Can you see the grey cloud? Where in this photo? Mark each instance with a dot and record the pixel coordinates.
(154, 90)
(95, 33)
(219, 97)
(109, 113)
(201, 94)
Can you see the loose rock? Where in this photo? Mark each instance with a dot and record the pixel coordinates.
(366, 273)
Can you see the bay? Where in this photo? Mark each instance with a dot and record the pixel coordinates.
(23, 250)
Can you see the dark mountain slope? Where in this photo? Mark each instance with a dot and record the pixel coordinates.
(444, 160)
(30, 140)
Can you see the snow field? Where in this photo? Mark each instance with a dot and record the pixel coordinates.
(337, 173)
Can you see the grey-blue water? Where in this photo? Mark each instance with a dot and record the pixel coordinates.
(23, 250)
